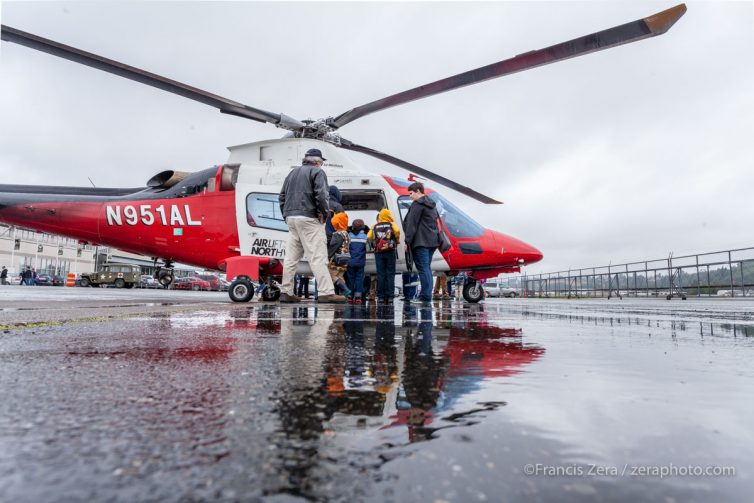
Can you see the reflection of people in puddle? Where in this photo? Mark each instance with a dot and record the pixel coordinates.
(422, 380)
(329, 368)
(385, 352)
(358, 378)
(299, 402)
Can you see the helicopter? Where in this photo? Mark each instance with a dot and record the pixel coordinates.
(227, 217)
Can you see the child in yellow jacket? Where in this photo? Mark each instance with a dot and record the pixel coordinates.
(385, 237)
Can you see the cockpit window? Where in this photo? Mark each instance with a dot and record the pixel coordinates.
(456, 221)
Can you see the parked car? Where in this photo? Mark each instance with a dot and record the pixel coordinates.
(149, 282)
(191, 283)
(224, 285)
(212, 279)
(44, 280)
(730, 293)
(118, 275)
(494, 289)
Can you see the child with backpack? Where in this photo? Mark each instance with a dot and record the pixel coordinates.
(338, 252)
(358, 250)
(385, 237)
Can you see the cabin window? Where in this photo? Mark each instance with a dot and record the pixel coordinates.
(263, 210)
(404, 202)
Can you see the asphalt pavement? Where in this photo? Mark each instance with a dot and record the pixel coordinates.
(151, 395)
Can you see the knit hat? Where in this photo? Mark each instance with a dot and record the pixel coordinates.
(357, 224)
(340, 221)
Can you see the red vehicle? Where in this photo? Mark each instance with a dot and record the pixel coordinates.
(213, 279)
(191, 283)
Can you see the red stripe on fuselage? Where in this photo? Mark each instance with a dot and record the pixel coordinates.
(200, 230)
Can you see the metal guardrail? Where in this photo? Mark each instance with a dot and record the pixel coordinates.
(701, 274)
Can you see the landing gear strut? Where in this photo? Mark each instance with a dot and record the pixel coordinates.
(271, 290)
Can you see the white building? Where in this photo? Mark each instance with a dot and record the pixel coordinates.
(57, 255)
(47, 253)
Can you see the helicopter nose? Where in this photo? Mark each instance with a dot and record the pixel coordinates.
(515, 250)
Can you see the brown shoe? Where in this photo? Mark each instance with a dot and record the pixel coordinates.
(331, 299)
(289, 299)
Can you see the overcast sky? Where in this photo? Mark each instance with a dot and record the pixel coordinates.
(618, 156)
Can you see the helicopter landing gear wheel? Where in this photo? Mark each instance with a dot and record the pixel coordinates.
(473, 291)
(271, 293)
(241, 290)
(165, 278)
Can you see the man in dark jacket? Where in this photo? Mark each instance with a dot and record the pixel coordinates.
(304, 203)
(422, 236)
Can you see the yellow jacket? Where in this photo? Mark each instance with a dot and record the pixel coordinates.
(386, 216)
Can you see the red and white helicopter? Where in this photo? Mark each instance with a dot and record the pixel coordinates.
(227, 217)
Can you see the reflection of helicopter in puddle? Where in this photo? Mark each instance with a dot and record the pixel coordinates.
(410, 384)
(372, 370)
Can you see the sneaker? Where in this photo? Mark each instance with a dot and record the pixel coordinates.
(331, 299)
(357, 300)
(350, 300)
(436, 297)
(289, 299)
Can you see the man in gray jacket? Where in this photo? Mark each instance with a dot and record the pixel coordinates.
(304, 202)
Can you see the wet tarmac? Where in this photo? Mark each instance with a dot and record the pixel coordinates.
(112, 395)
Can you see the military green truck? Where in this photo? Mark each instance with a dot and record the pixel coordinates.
(118, 275)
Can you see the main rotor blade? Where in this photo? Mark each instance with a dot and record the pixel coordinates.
(349, 145)
(122, 70)
(630, 32)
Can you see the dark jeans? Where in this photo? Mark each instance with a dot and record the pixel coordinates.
(408, 291)
(302, 286)
(356, 280)
(385, 263)
(422, 260)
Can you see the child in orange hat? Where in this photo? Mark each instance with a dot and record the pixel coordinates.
(338, 252)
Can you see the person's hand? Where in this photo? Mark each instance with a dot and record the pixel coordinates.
(321, 218)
